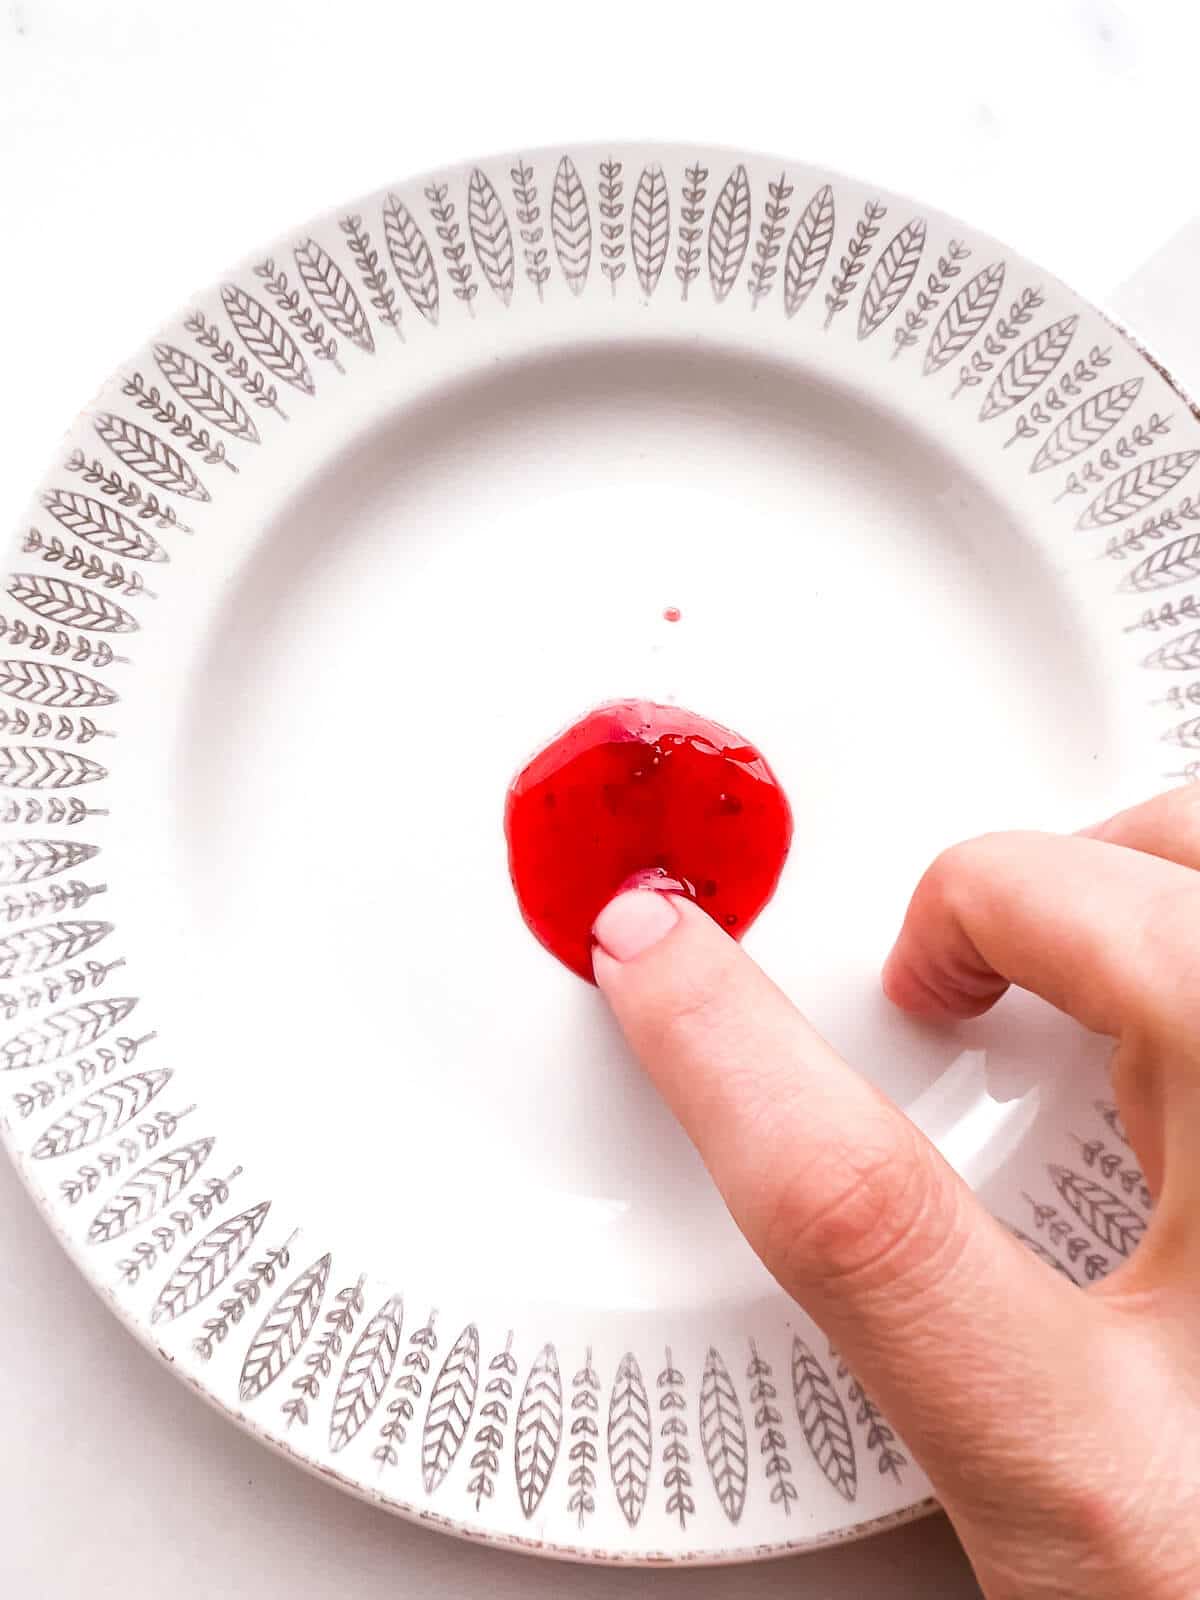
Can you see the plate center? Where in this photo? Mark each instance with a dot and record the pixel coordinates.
(440, 600)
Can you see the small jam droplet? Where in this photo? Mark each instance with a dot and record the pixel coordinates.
(672, 614)
(711, 820)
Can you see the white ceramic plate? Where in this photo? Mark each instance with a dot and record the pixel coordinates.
(322, 565)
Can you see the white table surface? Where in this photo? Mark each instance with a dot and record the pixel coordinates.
(144, 144)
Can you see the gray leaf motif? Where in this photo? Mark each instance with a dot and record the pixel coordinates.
(1086, 424)
(650, 227)
(889, 282)
(451, 1404)
(1138, 488)
(723, 1435)
(206, 392)
(490, 234)
(1039, 1250)
(35, 766)
(102, 526)
(1106, 1214)
(149, 456)
(1172, 563)
(729, 232)
(149, 1190)
(411, 257)
(630, 1444)
(28, 860)
(332, 294)
(823, 1420)
(266, 338)
(43, 949)
(69, 605)
(1186, 735)
(100, 1113)
(42, 683)
(64, 1032)
(964, 317)
(1178, 655)
(538, 1432)
(283, 1330)
(1028, 368)
(808, 250)
(366, 1374)
(571, 225)
(208, 1263)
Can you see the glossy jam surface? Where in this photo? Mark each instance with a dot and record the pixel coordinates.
(635, 788)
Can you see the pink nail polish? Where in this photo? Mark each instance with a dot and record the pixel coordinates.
(635, 922)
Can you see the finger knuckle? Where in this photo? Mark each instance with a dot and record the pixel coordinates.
(957, 873)
(882, 1216)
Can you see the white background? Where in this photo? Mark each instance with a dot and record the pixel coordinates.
(144, 144)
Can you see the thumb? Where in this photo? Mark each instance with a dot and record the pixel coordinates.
(935, 1306)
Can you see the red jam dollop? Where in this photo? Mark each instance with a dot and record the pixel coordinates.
(636, 790)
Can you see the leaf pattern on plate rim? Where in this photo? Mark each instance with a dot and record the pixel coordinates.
(102, 526)
(42, 767)
(1170, 564)
(823, 1420)
(585, 1431)
(1138, 488)
(723, 1435)
(104, 1111)
(208, 1263)
(282, 1332)
(538, 1432)
(1181, 654)
(768, 1419)
(40, 949)
(571, 225)
(372, 272)
(1086, 424)
(267, 340)
(729, 232)
(149, 1191)
(1028, 367)
(367, 1373)
(149, 456)
(650, 227)
(63, 1032)
(451, 1407)
(890, 279)
(767, 246)
(30, 860)
(1110, 1218)
(808, 249)
(68, 604)
(42, 683)
(964, 318)
(851, 264)
(630, 1447)
(411, 257)
(206, 392)
(333, 294)
(691, 226)
(1039, 1250)
(491, 235)
(673, 1430)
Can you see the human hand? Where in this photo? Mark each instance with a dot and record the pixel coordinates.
(1090, 1485)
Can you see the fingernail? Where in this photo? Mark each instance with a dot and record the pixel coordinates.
(634, 922)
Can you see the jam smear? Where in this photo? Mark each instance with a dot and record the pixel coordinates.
(641, 791)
